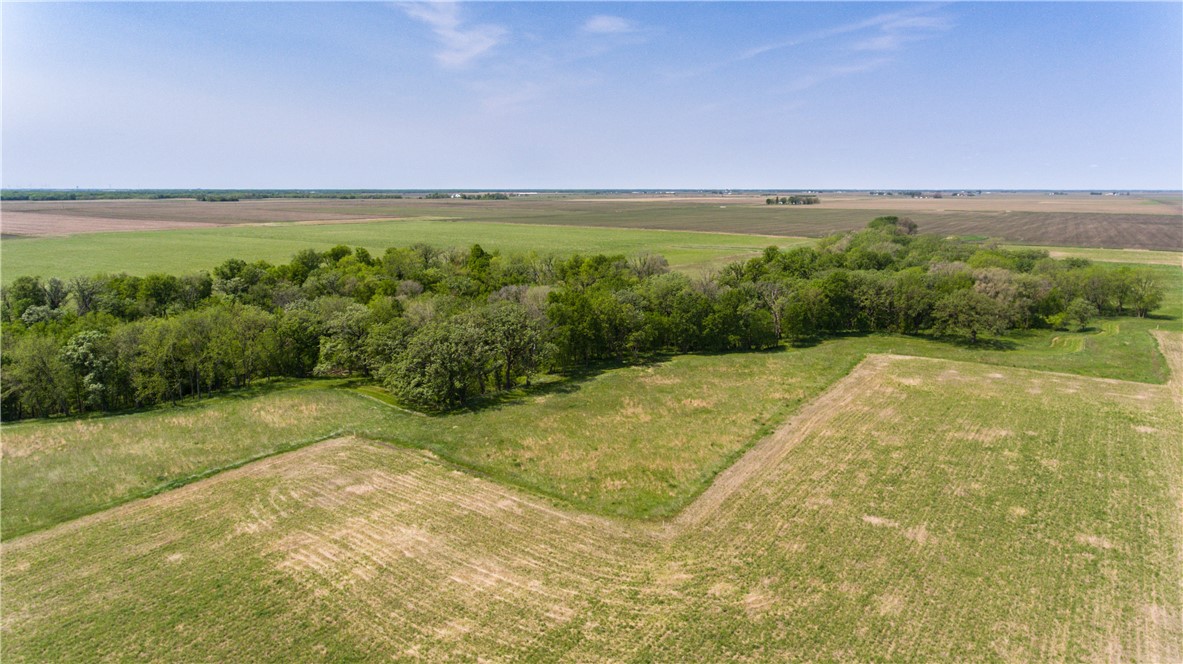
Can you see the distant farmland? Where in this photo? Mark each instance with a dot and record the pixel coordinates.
(190, 250)
(1111, 222)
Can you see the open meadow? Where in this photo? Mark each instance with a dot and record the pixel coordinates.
(176, 251)
(850, 533)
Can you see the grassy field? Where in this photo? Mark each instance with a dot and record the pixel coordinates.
(54, 471)
(1130, 256)
(856, 532)
(177, 251)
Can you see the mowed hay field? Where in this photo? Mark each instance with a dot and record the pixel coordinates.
(1150, 221)
(179, 251)
(54, 471)
(920, 509)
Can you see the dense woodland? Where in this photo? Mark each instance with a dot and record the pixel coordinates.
(439, 327)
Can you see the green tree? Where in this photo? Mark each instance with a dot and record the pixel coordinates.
(1081, 312)
(85, 291)
(342, 346)
(515, 338)
(88, 357)
(969, 313)
(1146, 292)
(442, 366)
(245, 336)
(24, 292)
(36, 376)
(294, 341)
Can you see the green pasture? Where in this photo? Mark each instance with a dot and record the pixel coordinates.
(56, 470)
(180, 251)
(928, 510)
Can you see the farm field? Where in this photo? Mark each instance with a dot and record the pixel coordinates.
(1151, 221)
(54, 471)
(178, 251)
(848, 534)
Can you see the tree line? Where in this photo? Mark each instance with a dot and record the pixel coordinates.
(439, 327)
(198, 194)
(792, 200)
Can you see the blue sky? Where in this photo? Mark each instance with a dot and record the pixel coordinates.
(593, 95)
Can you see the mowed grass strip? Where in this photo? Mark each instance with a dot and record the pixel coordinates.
(1128, 256)
(54, 471)
(948, 511)
(178, 251)
(294, 558)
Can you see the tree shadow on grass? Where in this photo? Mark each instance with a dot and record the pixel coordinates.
(567, 381)
(258, 388)
(1160, 316)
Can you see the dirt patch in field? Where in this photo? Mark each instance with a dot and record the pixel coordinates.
(864, 379)
(49, 218)
(756, 603)
(889, 604)
(660, 380)
(632, 410)
(26, 224)
(918, 534)
(1094, 541)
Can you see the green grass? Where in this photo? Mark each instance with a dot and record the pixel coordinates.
(1131, 256)
(927, 510)
(177, 251)
(56, 470)
(643, 441)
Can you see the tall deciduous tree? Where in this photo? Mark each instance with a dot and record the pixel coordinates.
(970, 313)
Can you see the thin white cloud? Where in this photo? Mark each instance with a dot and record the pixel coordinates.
(894, 29)
(824, 74)
(895, 33)
(605, 24)
(461, 44)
